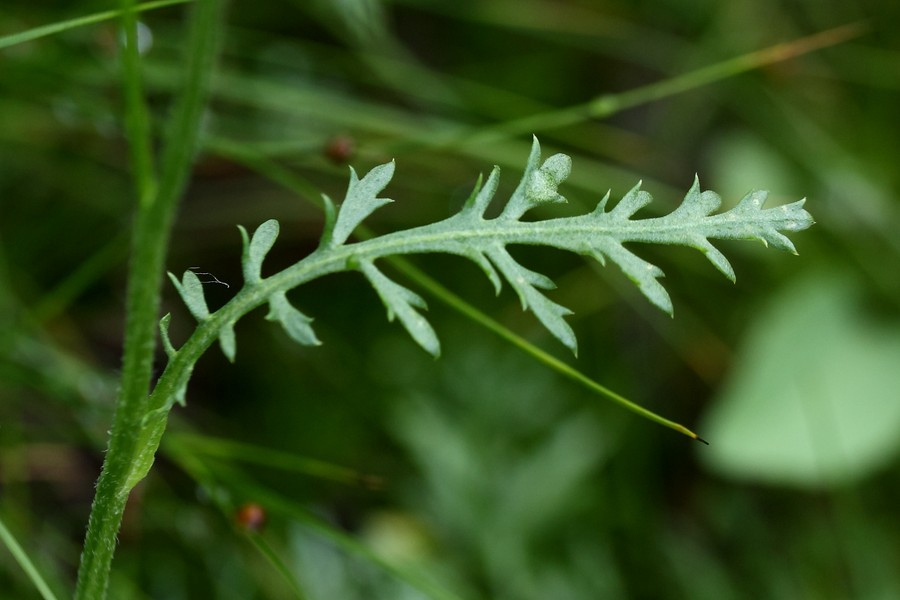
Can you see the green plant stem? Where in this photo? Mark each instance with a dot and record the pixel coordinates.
(151, 228)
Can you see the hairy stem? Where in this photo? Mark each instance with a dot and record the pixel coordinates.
(152, 225)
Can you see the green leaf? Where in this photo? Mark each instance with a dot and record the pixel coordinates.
(256, 249)
(164, 334)
(812, 400)
(639, 271)
(691, 224)
(361, 200)
(191, 291)
(633, 201)
(480, 197)
(789, 217)
(295, 323)
(543, 183)
(526, 283)
(402, 302)
(696, 203)
(178, 386)
(330, 217)
(538, 185)
(227, 341)
(600, 234)
(180, 396)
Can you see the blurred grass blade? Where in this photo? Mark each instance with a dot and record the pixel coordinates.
(60, 26)
(137, 115)
(76, 282)
(262, 545)
(22, 558)
(607, 105)
(257, 455)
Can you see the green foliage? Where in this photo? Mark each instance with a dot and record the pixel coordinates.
(509, 484)
(600, 234)
(813, 349)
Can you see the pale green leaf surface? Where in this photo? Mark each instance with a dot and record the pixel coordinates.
(295, 323)
(538, 185)
(361, 200)
(518, 203)
(601, 234)
(191, 291)
(402, 303)
(164, 334)
(543, 183)
(633, 201)
(482, 195)
(812, 400)
(526, 284)
(330, 217)
(640, 272)
(180, 396)
(256, 249)
(227, 341)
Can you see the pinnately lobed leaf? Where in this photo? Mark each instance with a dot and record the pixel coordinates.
(601, 235)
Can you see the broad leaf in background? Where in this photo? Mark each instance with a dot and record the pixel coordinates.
(813, 399)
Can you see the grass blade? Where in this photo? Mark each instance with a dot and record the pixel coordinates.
(53, 28)
(22, 558)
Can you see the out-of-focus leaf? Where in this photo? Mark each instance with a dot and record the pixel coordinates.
(813, 398)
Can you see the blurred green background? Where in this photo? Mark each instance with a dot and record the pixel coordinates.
(386, 474)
